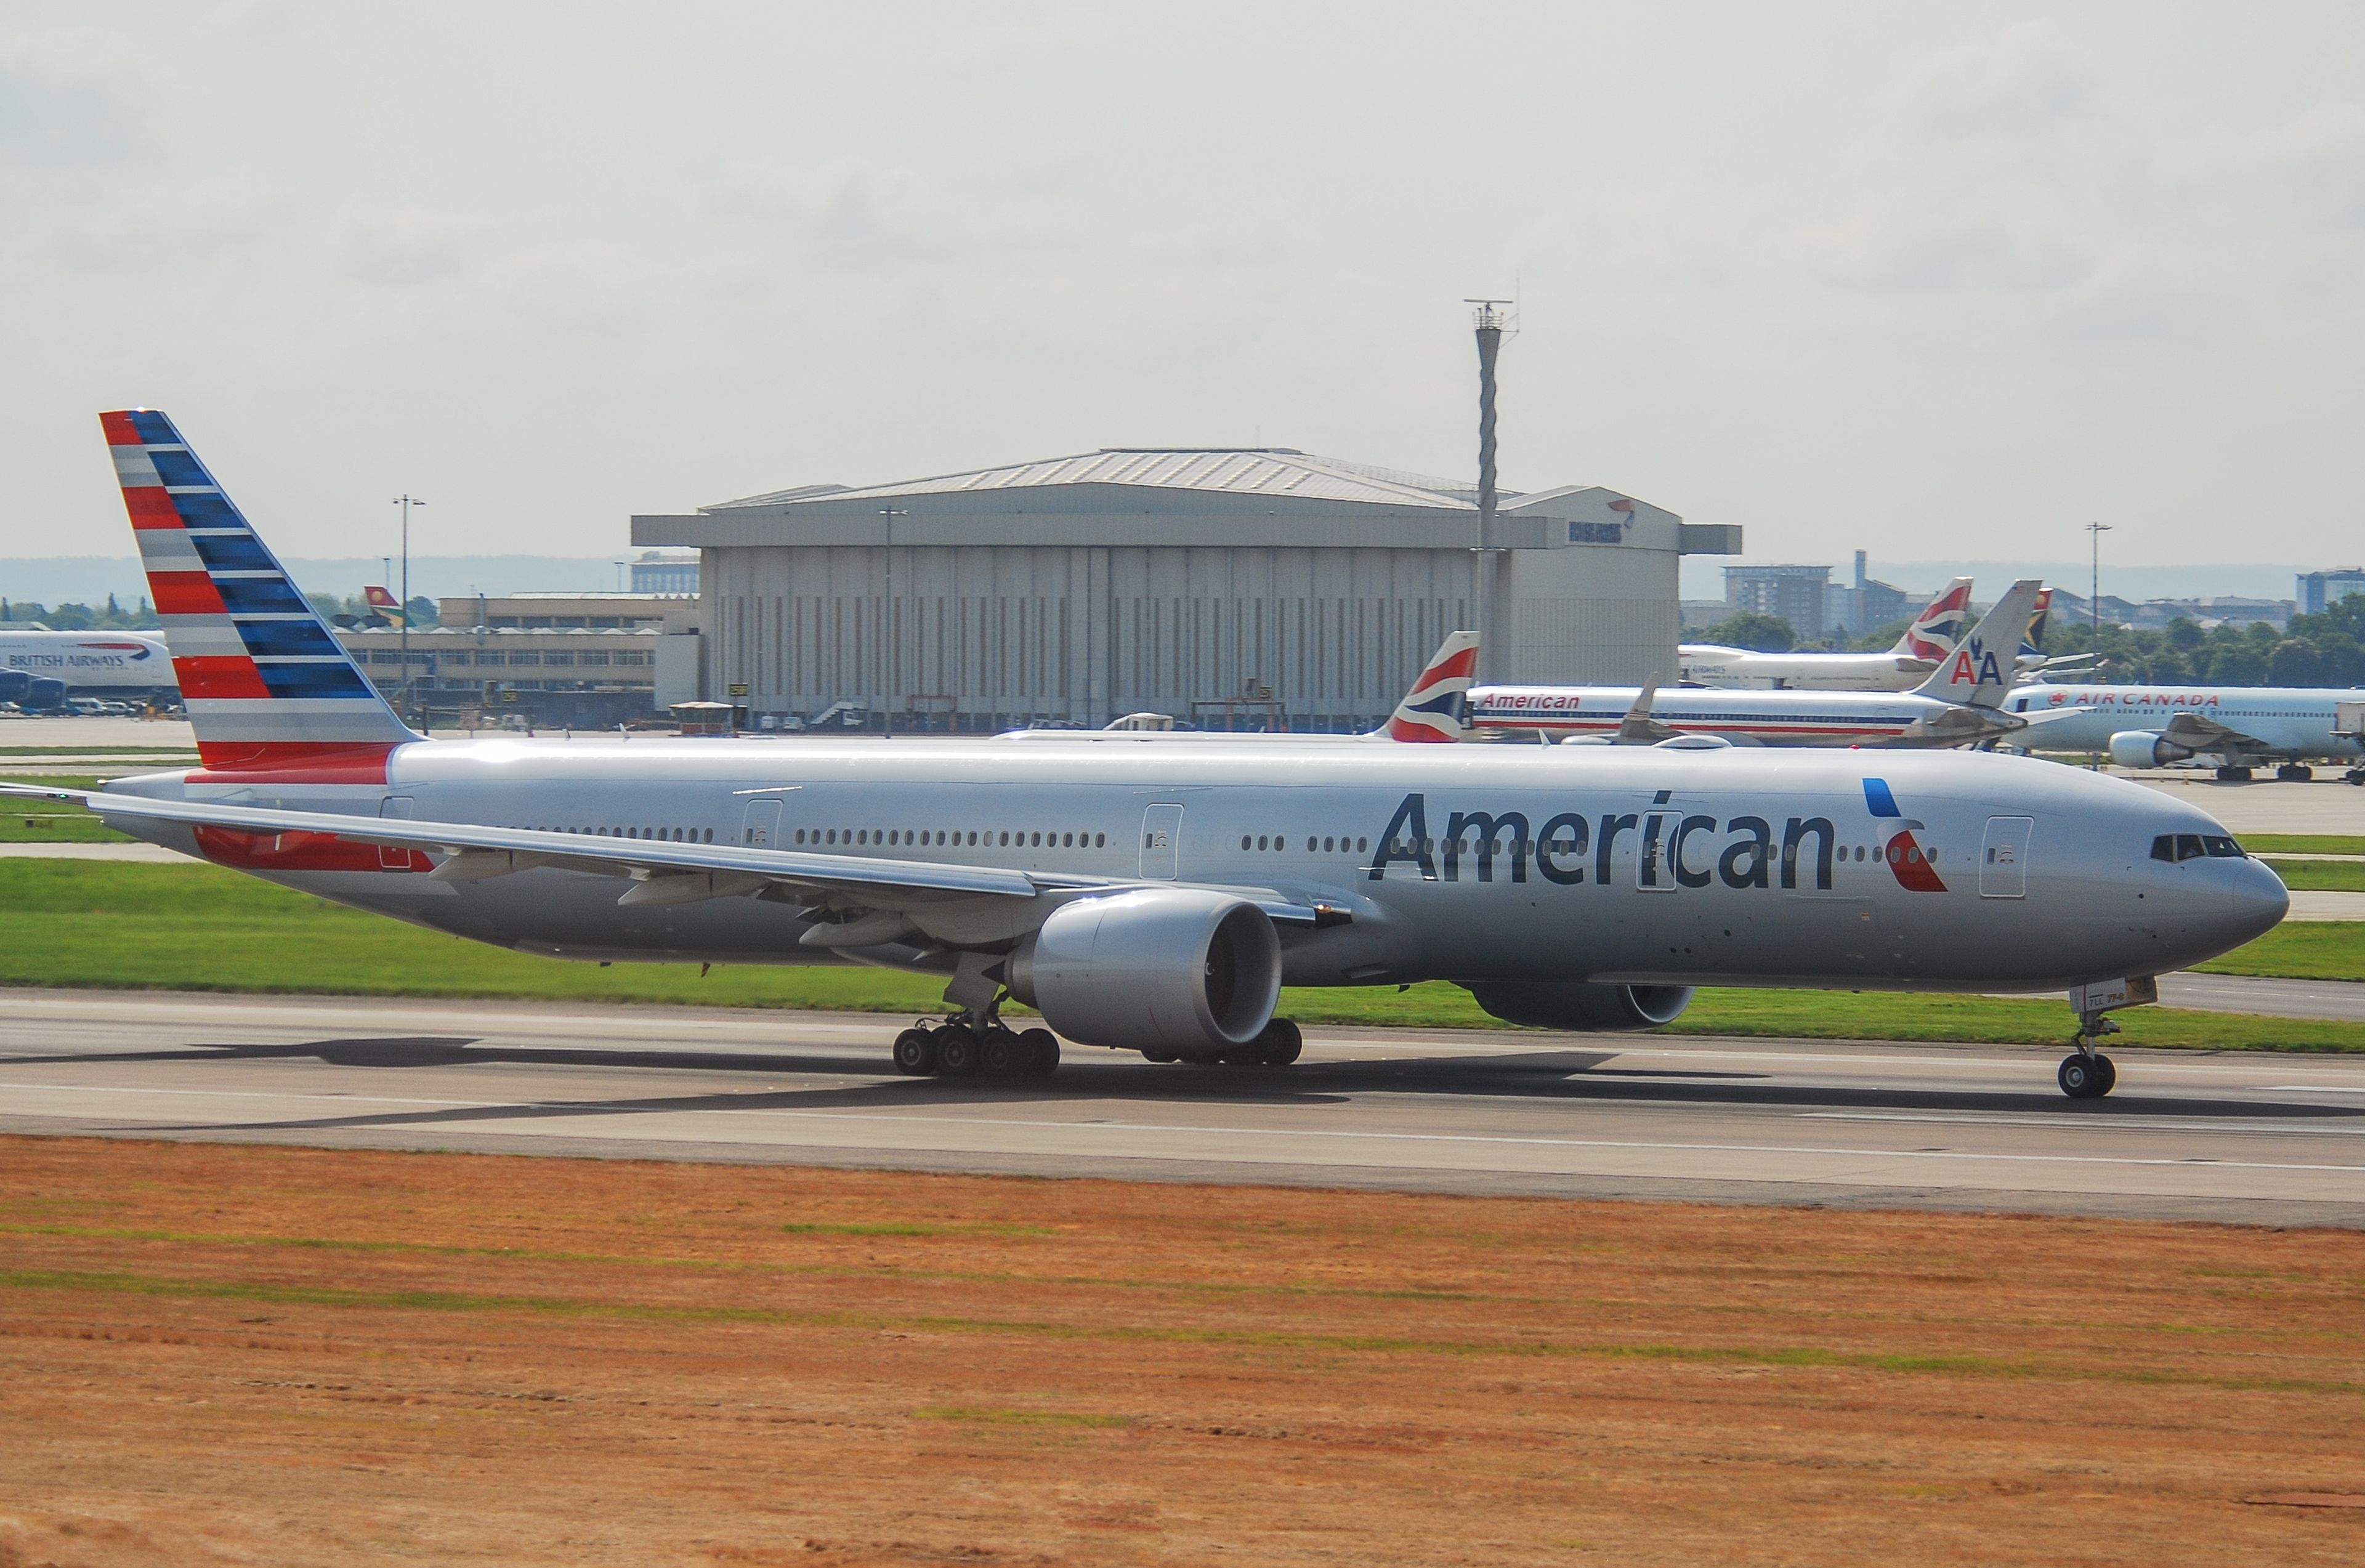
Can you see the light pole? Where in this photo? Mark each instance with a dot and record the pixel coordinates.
(2095, 531)
(894, 647)
(1489, 321)
(406, 502)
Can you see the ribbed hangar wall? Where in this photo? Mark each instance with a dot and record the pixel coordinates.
(1080, 632)
(1170, 580)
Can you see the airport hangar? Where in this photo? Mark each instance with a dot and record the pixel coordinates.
(1238, 588)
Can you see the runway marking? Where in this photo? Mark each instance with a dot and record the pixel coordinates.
(2228, 1124)
(891, 1115)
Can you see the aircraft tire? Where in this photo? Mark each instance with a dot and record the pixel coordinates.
(956, 1051)
(1000, 1055)
(2294, 773)
(2233, 775)
(1159, 1057)
(916, 1053)
(1281, 1043)
(1042, 1052)
(2084, 1077)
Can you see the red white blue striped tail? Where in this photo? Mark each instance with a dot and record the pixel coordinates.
(268, 687)
(1432, 711)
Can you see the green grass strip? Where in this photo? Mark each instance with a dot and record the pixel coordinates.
(95, 924)
(2320, 876)
(1806, 1356)
(2304, 843)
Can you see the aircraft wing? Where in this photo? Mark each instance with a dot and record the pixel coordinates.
(2196, 734)
(661, 872)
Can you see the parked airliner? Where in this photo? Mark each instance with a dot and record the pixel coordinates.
(1155, 898)
(1905, 665)
(1958, 704)
(2237, 727)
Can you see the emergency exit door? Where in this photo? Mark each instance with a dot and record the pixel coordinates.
(1161, 843)
(2003, 857)
(761, 830)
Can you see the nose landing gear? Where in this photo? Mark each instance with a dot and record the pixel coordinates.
(2086, 1073)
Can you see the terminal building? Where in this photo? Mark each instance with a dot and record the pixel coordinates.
(590, 660)
(1235, 588)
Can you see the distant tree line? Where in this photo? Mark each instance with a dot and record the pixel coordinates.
(108, 617)
(2314, 650)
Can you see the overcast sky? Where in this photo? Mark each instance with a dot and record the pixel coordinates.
(1941, 281)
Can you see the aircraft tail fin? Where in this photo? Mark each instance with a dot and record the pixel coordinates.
(1432, 710)
(1979, 670)
(268, 686)
(2032, 642)
(1940, 626)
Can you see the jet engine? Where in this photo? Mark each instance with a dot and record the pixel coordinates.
(1583, 1007)
(2146, 748)
(1179, 970)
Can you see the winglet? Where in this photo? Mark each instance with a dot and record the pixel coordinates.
(1432, 710)
(1980, 671)
(1638, 728)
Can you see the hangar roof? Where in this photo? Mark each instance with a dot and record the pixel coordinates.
(1256, 471)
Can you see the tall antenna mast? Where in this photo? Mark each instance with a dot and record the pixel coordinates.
(1489, 319)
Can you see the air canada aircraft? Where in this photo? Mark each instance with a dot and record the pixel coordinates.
(1960, 703)
(2237, 727)
(1155, 898)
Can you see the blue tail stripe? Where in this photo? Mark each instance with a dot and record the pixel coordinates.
(155, 428)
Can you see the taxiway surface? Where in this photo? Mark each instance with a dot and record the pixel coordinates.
(2261, 1137)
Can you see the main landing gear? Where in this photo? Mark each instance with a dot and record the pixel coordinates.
(1278, 1046)
(2294, 773)
(963, 1048)
(2086, 1073)
(2232, 775)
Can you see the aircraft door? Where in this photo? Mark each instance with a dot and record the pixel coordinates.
(393, 858)
(2003, 860)
(1161, 843)
(761, 829)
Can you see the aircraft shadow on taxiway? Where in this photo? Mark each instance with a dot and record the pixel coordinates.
(1575, 1077)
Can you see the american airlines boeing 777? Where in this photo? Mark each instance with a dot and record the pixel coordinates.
(1155, 898)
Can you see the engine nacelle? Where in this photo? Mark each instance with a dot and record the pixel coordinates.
(1585, 1007)
(1169, 969)
(2146, 748)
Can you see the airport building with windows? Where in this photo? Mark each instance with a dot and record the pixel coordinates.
(1234, 588)
(591, 660)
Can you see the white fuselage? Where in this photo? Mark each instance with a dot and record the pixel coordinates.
(2295, 723)
(1466, 863)
(91, 661)
(1745, 718)
(1743, 669)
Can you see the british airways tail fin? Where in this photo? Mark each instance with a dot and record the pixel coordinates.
(268, 687)
(1979, 670)
(1940, 626)
(1432, 711)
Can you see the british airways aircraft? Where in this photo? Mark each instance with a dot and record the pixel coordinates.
(1931, 637)
(1958, 704)
(1155, 898)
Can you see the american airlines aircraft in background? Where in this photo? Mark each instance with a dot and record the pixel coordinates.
(1155, 898)
(1931, 637)
(2238, 727)
(1958, 704)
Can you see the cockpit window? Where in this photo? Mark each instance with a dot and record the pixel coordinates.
(2174, 846)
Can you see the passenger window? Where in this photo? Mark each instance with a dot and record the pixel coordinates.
(1100, 841)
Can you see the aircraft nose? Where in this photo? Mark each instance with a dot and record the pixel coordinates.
(2258, 900)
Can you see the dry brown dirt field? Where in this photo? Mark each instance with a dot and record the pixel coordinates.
(240, 1354)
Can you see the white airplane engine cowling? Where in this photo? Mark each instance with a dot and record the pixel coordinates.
(1170, 968)
(1584, 1007)
(2146, 748)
